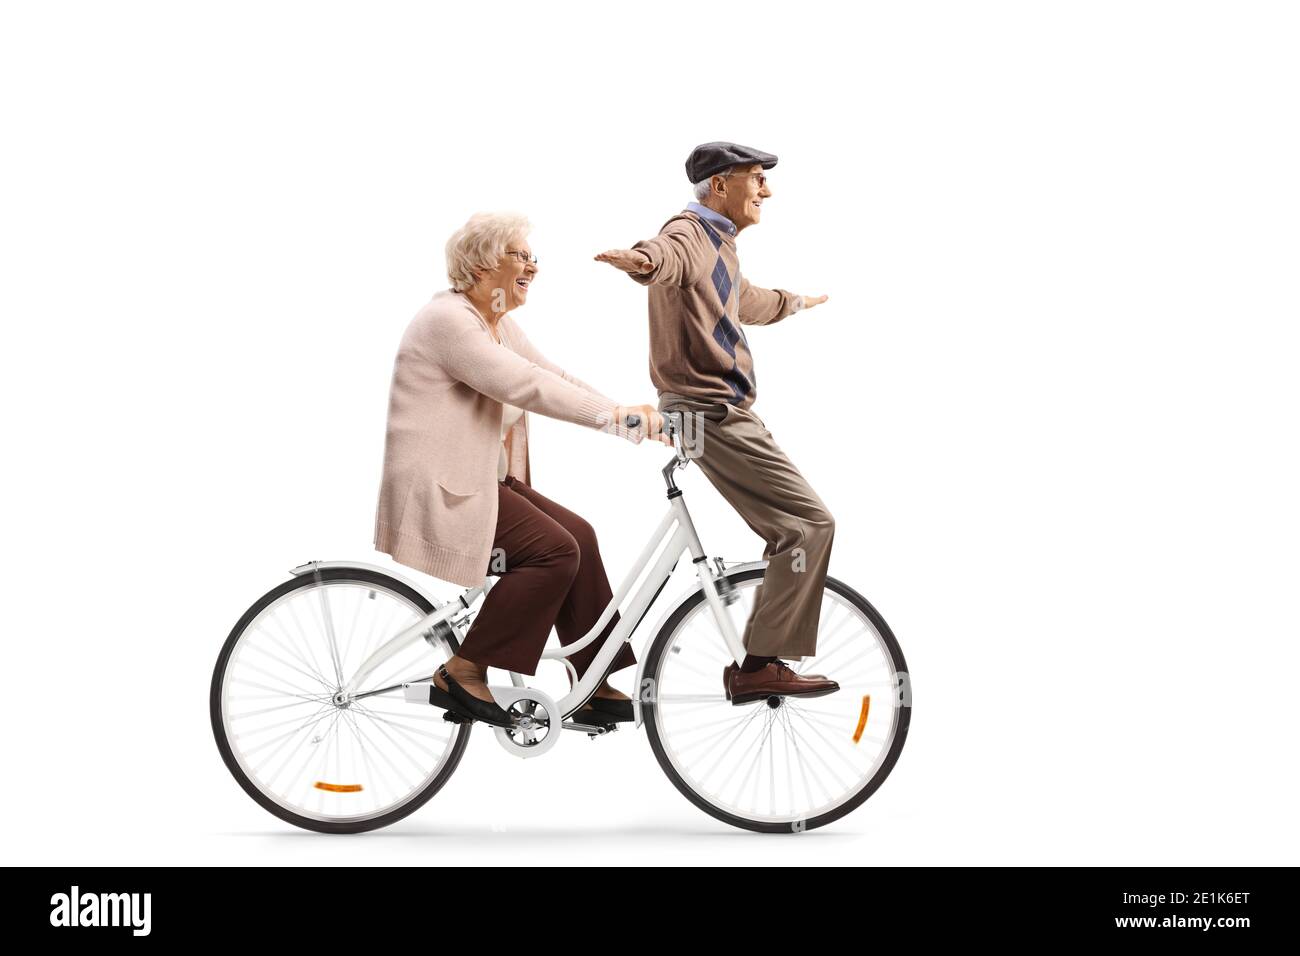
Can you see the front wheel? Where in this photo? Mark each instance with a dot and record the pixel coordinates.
(783, 764)
(292, 747)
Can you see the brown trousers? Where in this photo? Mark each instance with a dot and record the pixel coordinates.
(743, 461)
(550, 574)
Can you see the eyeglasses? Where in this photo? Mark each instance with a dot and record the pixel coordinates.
(523, 257)
(762, 180)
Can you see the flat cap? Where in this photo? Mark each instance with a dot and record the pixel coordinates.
(712, 158)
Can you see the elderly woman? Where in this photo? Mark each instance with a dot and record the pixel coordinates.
(456, 499)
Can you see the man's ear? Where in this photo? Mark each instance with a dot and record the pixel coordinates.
(718, 188)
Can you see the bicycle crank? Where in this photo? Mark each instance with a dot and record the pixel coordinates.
(537, 720)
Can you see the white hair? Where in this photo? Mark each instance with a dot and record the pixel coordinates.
(705, 186)
(480, 244)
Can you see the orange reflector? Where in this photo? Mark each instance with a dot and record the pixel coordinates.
(862, 721)
(339, 787)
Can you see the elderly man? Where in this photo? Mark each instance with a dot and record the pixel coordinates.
(700, 363)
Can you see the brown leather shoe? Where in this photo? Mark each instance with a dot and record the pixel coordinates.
(774, 680)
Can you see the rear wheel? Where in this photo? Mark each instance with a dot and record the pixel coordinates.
(296, 751)
(782, 764)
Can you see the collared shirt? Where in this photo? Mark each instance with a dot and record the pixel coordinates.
(713, 217)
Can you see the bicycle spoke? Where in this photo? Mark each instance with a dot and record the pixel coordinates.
(352, 628)
(805, 770)
(375, 772)
(307, 642)
(420, 673)
(859, 678)
(383, 633)
(717, 645)
(267, 728)
(331, 744)
(383, 753)
(278, 692)
(294, 648)
(708, 678)
(412, 714)
(757, 750)
(307, 780)
(740, 732)
(410, 731)
(312, 673)
(833, 750)
(285, 737)
(789, 775)
(833, 648)
(310, 728)
(323, 594)
(267, 710)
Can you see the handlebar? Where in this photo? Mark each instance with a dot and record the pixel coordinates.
(670, 422)
(670, 425)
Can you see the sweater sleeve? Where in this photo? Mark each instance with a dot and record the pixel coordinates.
(467, 354)
(760, 306)
(524, 346)
(680, 255)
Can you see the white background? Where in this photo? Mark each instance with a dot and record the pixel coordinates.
(1051, 401)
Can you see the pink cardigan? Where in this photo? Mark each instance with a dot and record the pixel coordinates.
(437, 507)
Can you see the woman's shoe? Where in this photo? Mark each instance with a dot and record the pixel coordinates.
(488, 712)
(453, 711)
(605, 710)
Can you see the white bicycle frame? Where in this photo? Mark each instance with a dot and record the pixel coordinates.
(679, 531)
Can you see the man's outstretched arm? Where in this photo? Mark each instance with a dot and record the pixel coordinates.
(634, 263)
(759, 306)
(677, 256)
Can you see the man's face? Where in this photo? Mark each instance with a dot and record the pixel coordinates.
(513, 275)
(746, 188)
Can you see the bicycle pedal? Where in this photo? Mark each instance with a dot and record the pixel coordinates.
(427, 692)
(591, 730)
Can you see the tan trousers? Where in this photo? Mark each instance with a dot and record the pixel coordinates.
(745, 464)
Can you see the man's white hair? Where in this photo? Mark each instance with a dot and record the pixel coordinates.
(704, 187)
(480, 244)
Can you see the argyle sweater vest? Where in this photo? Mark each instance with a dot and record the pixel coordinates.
(698, 303)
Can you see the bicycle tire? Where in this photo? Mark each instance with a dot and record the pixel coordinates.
(359, 575)
(651, 716)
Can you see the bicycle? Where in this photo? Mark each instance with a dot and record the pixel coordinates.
(322, 749)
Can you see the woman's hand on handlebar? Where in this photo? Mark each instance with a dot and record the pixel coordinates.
(645, 418)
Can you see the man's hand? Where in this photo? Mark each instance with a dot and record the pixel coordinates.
(810, 300)
(629, 260)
